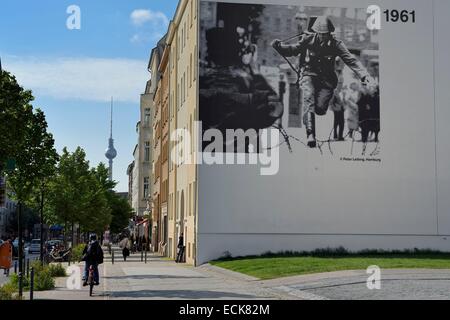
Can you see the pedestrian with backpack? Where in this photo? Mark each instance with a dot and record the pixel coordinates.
(93, 256)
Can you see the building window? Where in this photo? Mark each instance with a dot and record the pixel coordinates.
(277, 24)
(178, 211)
(147, 151)
(183, 83)
(195, 63)
(147, 115)
(146, 187)
(190, 72)
(192, 12)
(184, 33)
(190, 199)
(288, 24)
(191, 132)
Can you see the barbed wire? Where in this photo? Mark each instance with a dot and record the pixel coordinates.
(329, 141)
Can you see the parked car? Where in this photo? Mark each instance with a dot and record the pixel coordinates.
(35, 246)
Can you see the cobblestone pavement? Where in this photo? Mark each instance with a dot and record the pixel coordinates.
(161, 278)
(395, 284)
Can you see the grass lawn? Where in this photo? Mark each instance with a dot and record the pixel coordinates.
(282, 266)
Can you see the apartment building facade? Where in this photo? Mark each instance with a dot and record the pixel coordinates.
(182, 40)
(159, 159)
(139, 171)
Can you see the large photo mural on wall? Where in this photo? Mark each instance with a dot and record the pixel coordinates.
(310, 72)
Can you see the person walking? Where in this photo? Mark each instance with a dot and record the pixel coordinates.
(6, 250)
(124, 244)
(180, 247)
(338, 107)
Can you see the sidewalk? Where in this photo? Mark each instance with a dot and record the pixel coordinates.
(161, 278)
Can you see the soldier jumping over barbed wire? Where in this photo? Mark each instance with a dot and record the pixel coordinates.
(319, 79)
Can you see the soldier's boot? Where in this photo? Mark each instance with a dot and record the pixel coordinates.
(310, 130)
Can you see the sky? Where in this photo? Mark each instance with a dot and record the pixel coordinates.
(74, 72)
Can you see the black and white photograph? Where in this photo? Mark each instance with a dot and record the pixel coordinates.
(310, 72)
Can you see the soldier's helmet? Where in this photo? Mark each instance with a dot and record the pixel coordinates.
(323, 24)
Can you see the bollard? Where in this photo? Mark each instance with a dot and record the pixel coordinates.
(31, 283)
(142, 255)
(15, 266)
(145, 255)
(28, 268)
(112, 257)
(20, 285)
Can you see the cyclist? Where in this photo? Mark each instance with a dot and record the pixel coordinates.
(93, 256)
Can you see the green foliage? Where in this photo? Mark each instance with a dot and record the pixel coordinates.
(35, 160)
(14, 282)
(334, 252)
(37, 266)
(121, 212)
(8, 292)
(77, 252)
(57, 270)
(78, 194)
(15, 111)
(43, 279)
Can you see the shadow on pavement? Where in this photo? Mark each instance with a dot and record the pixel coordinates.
(152, 276)
(181, 294)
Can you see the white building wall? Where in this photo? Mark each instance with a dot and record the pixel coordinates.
(318, 201)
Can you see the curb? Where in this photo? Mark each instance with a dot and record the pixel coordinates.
(228, 273)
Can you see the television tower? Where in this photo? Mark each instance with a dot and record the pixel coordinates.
(111, 153)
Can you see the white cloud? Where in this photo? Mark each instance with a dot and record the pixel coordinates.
(150, 25)
(141, 16)
(92, 79)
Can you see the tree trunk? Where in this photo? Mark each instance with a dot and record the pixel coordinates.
(41, 251)
(73, 235)
(65, 233)
(19, 227)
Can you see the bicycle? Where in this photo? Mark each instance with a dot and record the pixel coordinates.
(90, 280)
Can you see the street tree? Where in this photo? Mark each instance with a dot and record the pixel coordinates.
(33, 156)
(15, 113)
(67, 188)
(98, 210)
(78, 194)
(121, 212)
